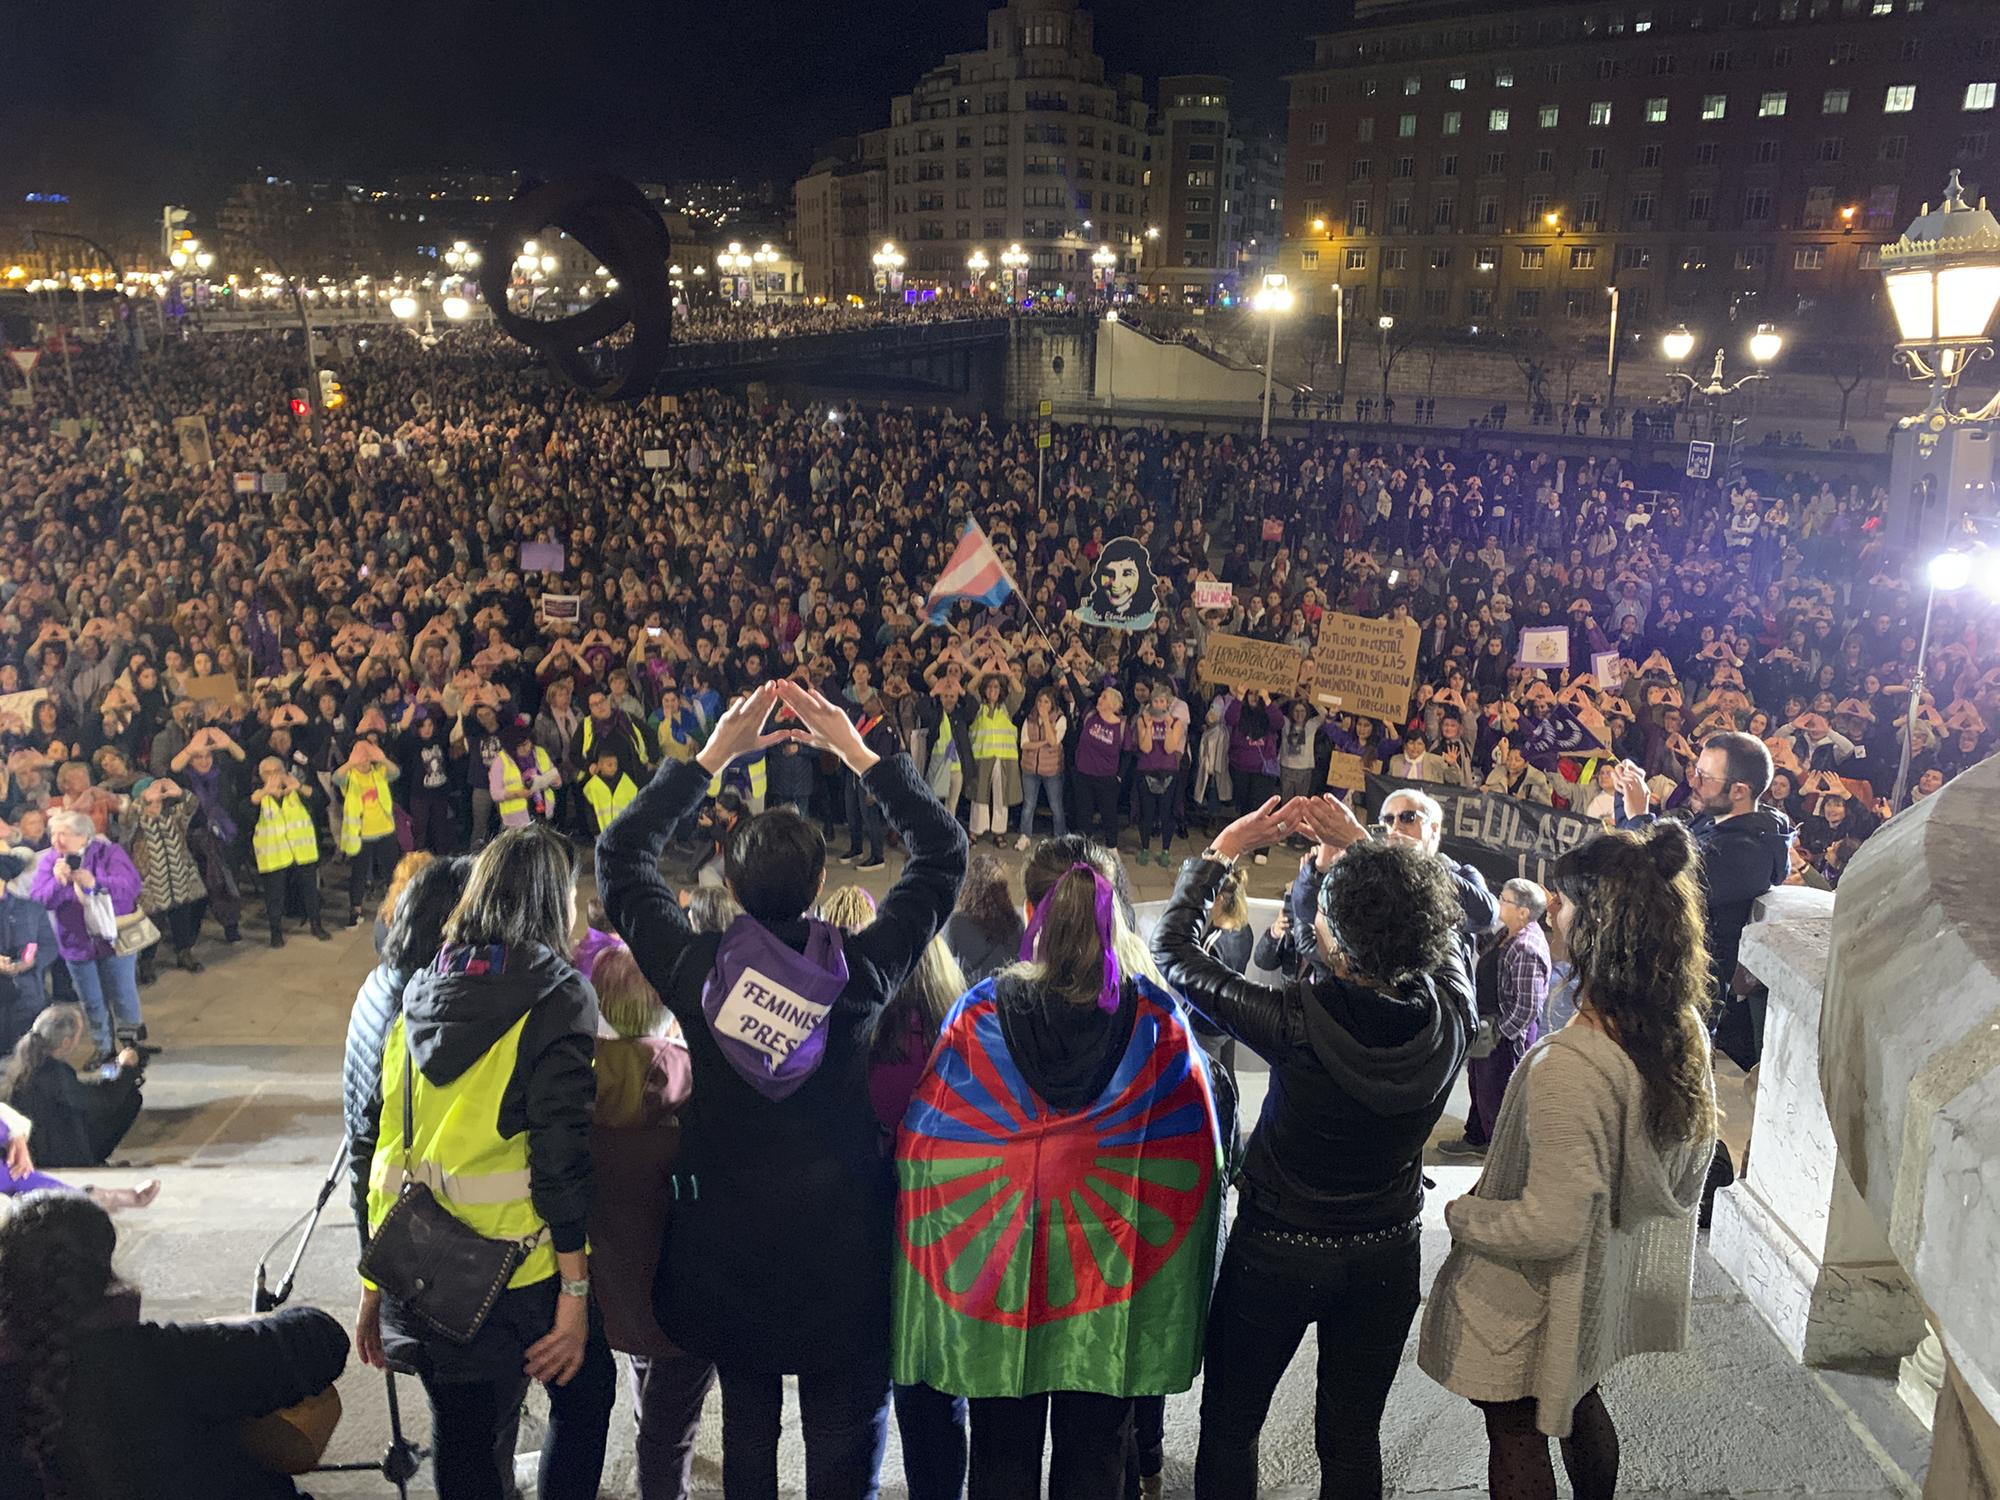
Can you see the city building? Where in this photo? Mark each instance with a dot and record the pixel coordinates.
(1028, 142)
(840, 218)
(1214, 198)
(1473, 166)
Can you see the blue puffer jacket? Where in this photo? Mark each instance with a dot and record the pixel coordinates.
(376, 1004)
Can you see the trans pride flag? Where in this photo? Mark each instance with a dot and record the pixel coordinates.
(975, 573)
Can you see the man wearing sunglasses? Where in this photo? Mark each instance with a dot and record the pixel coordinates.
(1418, 819)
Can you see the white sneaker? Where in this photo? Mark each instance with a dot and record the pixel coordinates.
(1021, 842)
(1262, 858)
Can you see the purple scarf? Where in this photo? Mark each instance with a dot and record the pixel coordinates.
(767, 1005)
(207, 787)
(1109, 992)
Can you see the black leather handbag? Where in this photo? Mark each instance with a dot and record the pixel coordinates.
(446, 1275)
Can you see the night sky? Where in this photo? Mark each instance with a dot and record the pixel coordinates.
(153, 100)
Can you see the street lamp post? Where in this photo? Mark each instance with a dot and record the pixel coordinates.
(1764, 347)
(978, 265)
(1015, 259)
(764, 257)
(888, 263)
(1102, 260)
(1273, 299)
(1949, 571)
(1383, 325)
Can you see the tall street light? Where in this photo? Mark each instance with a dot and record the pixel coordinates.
(765, 257)
(1765, 345)
(734, 262)
(888, 263)
(1015, 259)
(1943, 280)
(1273, 299)
(978, 265)
(1947, 572)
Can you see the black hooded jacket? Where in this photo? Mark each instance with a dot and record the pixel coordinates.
(1358, 1078)
(454, 1018)
(1741, 858)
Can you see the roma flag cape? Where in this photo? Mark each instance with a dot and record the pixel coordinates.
(1043, 1251)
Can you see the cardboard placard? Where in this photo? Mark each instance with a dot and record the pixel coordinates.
(656, 458)
(243, 482)
(542, 557)
(21, 706)
(1344, 772)
(1210, 593)
(274, 482)
(1544, 646)
(562, 607)
(1237, 661)
(1604, 667)
(218, 689)
(1364, 666)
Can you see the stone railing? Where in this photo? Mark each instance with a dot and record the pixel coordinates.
(1868, 1200)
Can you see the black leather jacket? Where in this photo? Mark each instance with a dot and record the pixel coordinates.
(1358, 1078)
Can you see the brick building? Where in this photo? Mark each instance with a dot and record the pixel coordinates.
(1470, 165)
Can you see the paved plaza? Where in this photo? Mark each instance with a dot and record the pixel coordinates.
(243, 1115)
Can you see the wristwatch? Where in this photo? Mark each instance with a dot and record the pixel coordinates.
(576, 1288)
(1215, 856)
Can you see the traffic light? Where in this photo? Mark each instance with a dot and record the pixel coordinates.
(330, 393)
(301, 406)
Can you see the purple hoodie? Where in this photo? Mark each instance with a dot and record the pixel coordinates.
(115, 874)
(1253, 746)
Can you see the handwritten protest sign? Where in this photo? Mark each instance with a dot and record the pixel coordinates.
(1210, 593)
(656, 458)
(1545, 646)
(1274, 529)
(217, 690)
(1344, 772)
(1364, 666)
(1236, 661)
(1604, 667)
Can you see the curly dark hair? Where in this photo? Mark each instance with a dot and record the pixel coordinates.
(55, 1267)
(985, 897)
(1638, 937)
(1393, 910)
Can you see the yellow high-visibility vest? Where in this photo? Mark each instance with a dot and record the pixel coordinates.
(363, 816)
(759, 775)
(513, 790)
(284, 835)
(607, 802)
(994, 736)
(479, 1175)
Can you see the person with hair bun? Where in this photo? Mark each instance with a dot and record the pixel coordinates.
(1364, 1049)
(1576, 1248)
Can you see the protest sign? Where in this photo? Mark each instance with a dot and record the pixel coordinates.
(192, 435)
(1344, 772)
(562, 607)
(542, 557)
(217, 690)
(1544, 646)
(656, 458)
(1364, 666)
(1268, 667)
(243, 483)
(20, 707)
(1274, 529)
(1501, 837)
(1212, 594)
(368, 450)
(1604, 667)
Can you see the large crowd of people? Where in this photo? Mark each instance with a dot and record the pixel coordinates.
(477, 615)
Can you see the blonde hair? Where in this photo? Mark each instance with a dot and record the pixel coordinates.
(1230, 909)
(629, 1005)
(929, 991)
(406, 867)
(848, 907)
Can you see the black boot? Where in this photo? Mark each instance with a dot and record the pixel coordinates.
(1721, 1173)
(147, 972)
(188, 962)
(277, 938)
(319, 931)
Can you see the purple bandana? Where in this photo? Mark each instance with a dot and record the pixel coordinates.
(767, 1005)
(1108, 994)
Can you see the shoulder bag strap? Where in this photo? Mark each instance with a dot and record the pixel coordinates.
(409, 1101)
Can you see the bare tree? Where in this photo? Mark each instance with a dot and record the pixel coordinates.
(1849, 370)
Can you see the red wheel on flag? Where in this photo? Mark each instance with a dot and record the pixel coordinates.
(1018, 1215)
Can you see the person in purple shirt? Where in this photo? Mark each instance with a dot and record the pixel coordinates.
(1255, 729)
(79, 861)
(1102, 743)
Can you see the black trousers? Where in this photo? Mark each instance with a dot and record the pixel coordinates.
(182, 923)
(1363, 1298)
(843, 1417)
(373, 863)
(295, 885)
(469, 1420)
(1087, 1460)
(1097, 808)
